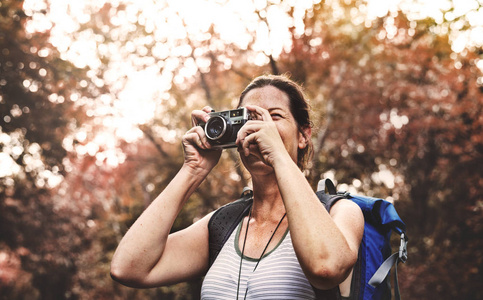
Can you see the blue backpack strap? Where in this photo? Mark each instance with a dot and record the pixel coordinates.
(386, 266)
(225, 219)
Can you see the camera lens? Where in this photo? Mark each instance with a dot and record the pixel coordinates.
(215, 128)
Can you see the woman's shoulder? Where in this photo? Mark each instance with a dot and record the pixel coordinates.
(343, 204)
(347, 209)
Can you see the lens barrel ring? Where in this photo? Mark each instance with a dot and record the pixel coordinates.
(215, 128)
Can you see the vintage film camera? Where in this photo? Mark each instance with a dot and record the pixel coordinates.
(222, 127)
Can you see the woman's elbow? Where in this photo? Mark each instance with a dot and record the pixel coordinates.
(329, 276)
(119, 273)
(325, 279)
(124, 275)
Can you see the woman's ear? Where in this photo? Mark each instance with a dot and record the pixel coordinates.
(305, 134)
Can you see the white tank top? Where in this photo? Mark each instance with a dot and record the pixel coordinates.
(278, 275)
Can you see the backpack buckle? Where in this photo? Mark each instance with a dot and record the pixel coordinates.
(247, 192)
(403, 248)
(344, 194)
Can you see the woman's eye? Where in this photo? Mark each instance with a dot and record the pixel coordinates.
(276, 116)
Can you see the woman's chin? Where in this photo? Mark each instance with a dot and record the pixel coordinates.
(256, 166)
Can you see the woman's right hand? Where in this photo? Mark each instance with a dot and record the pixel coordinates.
(199, 155)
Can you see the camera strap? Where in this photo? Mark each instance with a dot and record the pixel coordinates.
(260, 258)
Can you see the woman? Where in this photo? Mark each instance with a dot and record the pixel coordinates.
(318, 249)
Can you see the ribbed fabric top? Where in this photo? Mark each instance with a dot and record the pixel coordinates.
(278, 275)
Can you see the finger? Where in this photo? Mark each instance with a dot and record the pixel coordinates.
(199, 116)
(249, 128)
(191, 137)
(248, 144)
(260, 113)
(196, 136)
(207, 109)
(203, 140)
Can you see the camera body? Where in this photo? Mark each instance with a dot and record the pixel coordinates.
(222, 127)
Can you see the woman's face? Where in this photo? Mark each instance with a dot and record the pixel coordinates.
(278, 105)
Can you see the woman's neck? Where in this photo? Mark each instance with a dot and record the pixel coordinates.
(267, 200)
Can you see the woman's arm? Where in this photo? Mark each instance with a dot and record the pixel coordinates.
(326, 245)
(148, 255)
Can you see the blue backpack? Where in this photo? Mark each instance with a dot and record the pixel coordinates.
(370, 278)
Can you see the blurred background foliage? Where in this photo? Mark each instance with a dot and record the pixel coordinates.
(93, 109)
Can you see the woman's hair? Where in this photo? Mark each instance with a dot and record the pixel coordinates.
(299, 107)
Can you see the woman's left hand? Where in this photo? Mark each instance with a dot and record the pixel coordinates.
(260, 136)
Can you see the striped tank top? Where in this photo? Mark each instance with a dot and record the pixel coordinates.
(278, 275)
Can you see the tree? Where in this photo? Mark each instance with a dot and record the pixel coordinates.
(400, 105)
(38, 93)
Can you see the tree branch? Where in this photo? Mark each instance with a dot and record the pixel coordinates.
(273, 63)
(148, 133)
